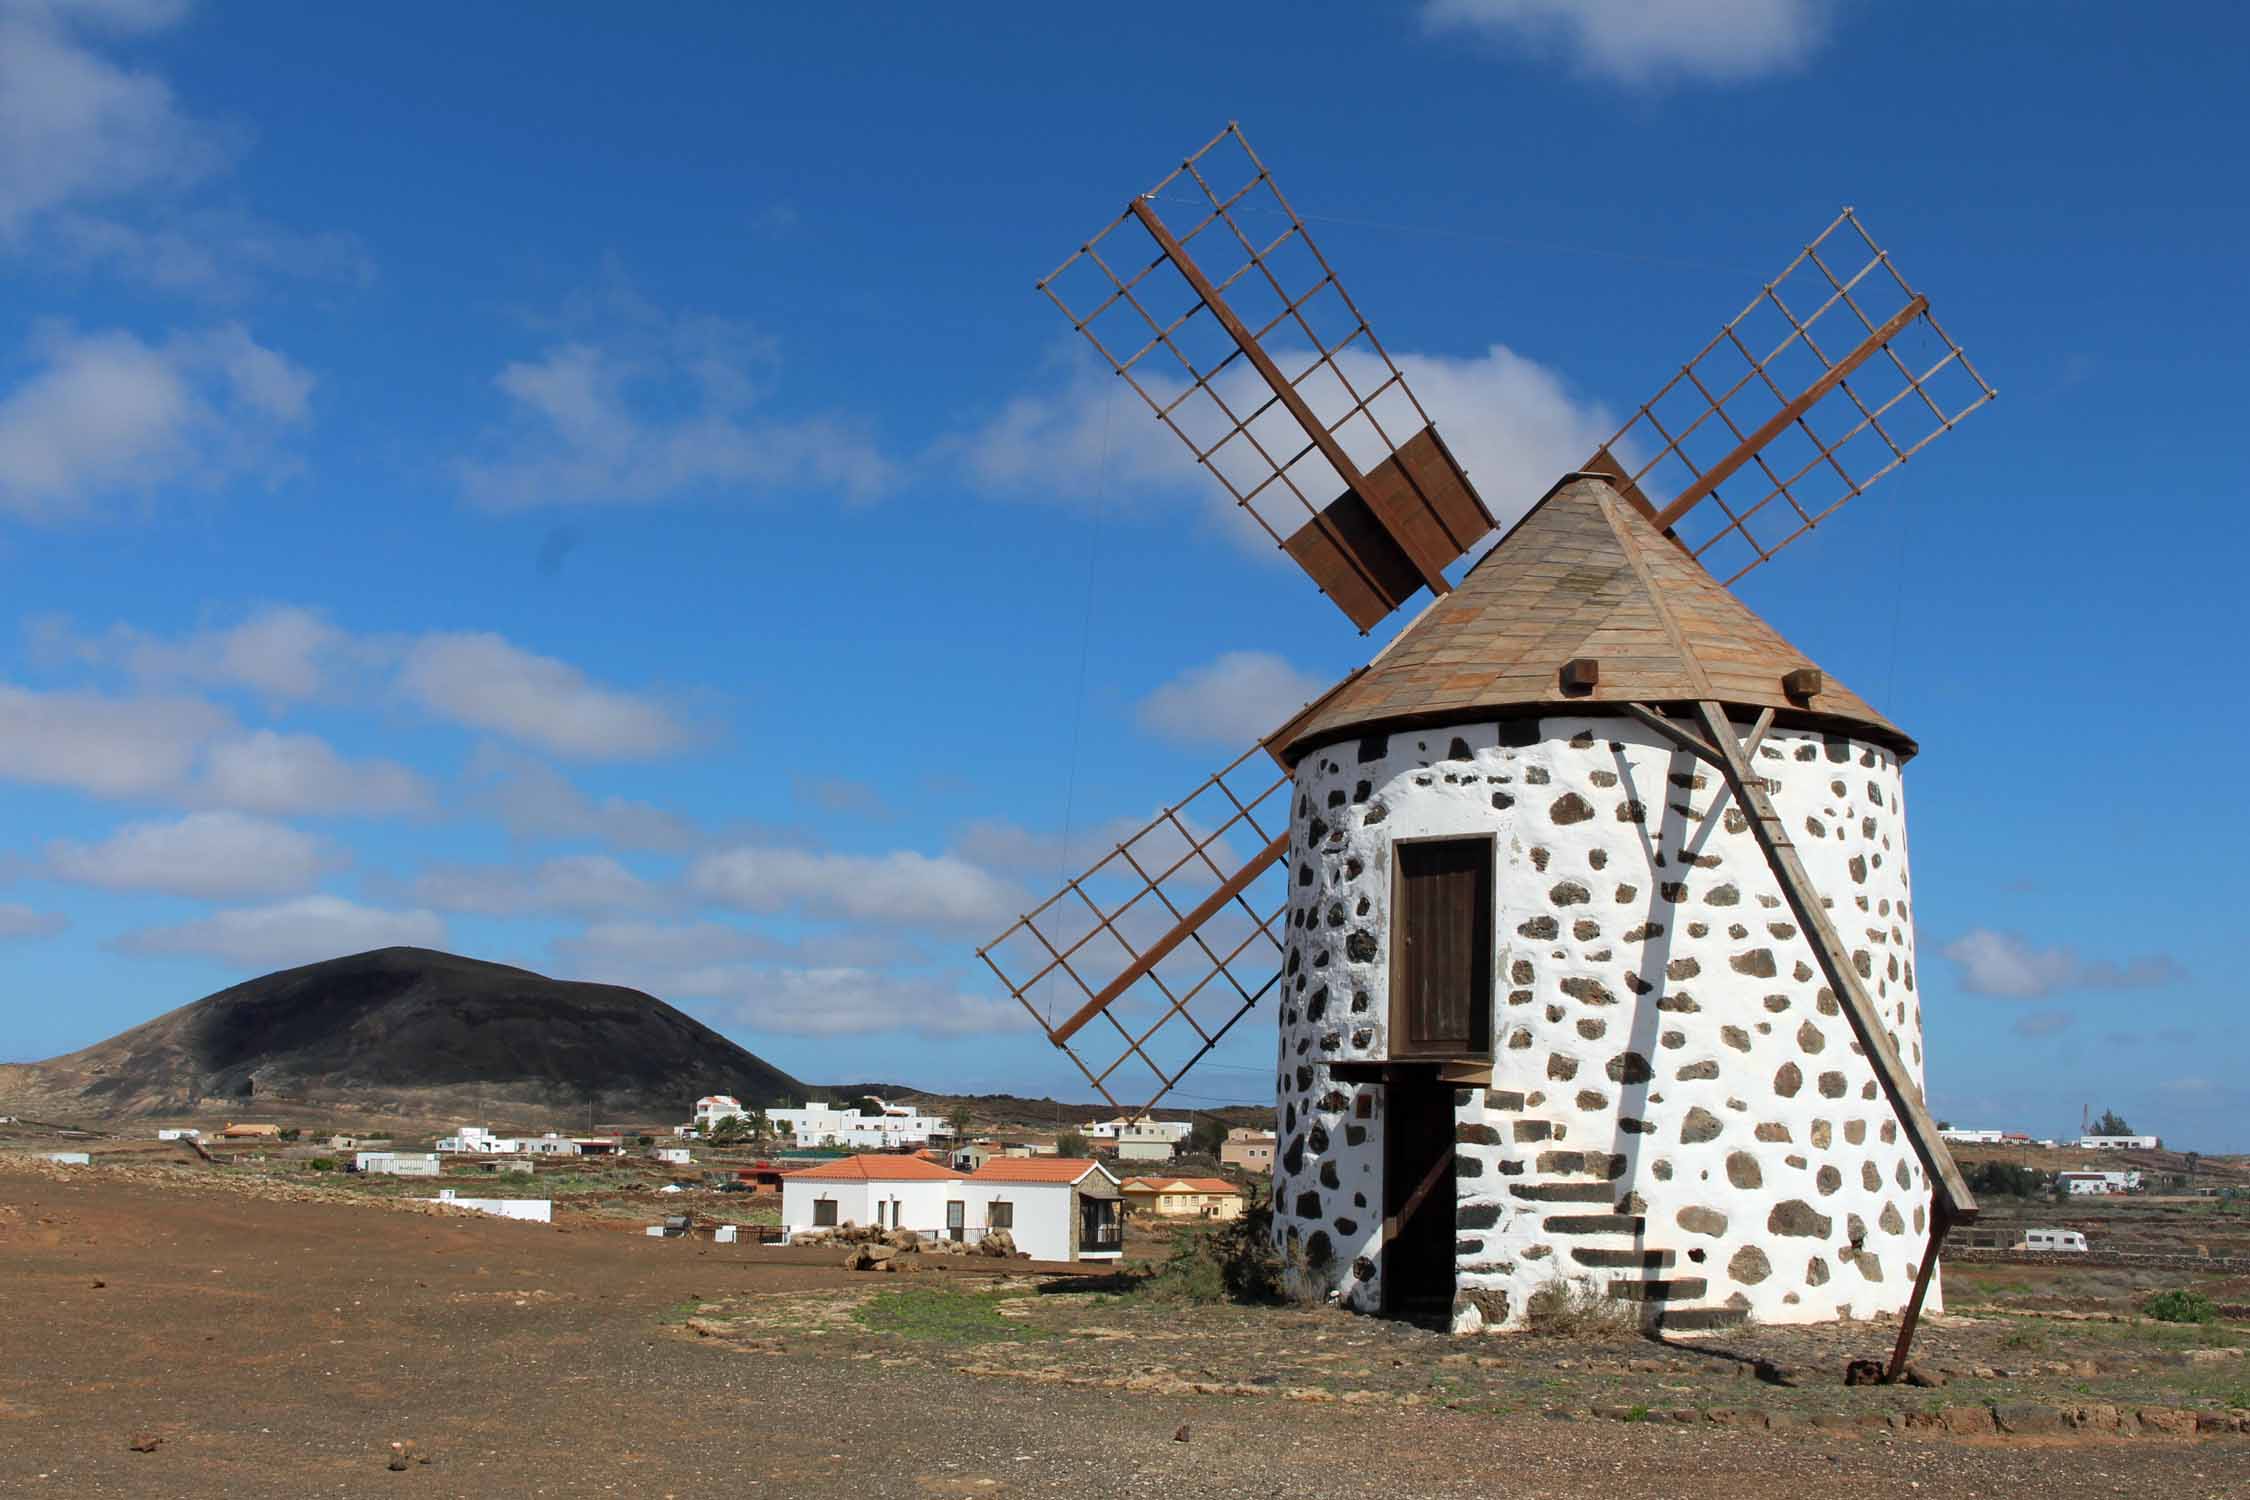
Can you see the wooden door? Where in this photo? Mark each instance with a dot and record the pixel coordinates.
(1441, 948)
(956, 1220)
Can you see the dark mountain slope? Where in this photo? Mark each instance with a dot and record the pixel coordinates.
(407, 1028)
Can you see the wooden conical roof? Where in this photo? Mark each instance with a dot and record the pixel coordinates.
(1583, 575)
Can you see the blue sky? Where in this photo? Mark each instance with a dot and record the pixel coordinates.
(601, 492)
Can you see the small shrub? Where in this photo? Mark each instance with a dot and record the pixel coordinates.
(2181, 1306)
(1233, 1261)
(1579, 1308)
(322, 1164)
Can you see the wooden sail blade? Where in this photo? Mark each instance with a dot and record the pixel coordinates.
(1141, 965)
(1209, 297)
(1834, 375)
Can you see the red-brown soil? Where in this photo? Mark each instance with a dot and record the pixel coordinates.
(276, 1347)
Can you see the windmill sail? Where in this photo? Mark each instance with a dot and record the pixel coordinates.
(1208, 295)
(1141, 965)
(1834, 375)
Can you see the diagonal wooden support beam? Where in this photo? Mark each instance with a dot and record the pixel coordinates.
(1156, 952)
(1835, 962)
(1950, 1200)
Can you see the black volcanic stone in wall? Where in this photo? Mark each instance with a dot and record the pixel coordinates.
(1308, 1205)
(1476, 1215)
(1374, 747)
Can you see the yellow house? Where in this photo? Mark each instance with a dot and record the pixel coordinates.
(1184, 1197)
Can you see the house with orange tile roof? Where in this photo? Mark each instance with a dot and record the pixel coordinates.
(1053, 1208)
(1184, 1197)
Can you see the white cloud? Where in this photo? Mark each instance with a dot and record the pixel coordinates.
(215, 253)
(111, 747)
(76, 126)
(269, 772)
(580, 883)
(636, 947)
(901, 886)
(852, 1002)
(485, 682)
(535, 801)
(18, 921)
(1230, 701)
(281, 651)
(2044, 1023)
(656, 408)
(105, 413)
(207, 854)
(1513, 424)
(286, 933)
(2005, 965)
(1639, 41)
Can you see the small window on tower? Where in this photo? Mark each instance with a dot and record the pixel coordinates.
(1441, 948)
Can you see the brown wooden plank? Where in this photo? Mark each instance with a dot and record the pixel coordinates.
(1355, 560)
(1156, 952)
(1858, 1006)
(1445, 488)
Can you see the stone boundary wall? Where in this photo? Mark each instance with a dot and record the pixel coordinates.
(2223, 1265)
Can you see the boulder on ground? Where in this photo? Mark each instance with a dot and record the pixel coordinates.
(997, 1244)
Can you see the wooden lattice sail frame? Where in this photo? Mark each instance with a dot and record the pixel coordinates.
(1206, 301)
(1168, 940)
(1791, 397)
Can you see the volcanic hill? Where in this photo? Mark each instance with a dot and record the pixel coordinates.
(412, 1032)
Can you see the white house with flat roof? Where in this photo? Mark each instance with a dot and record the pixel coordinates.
(824, 1124)
(1053, 1208)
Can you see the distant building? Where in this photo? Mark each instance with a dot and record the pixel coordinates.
(1974, 1137)
(2081, 1184)
(530, 1210)
(2119, 1143)
(251, 1133)
(1148, 1140)
(550, 1144)
(1184, 1197)
(678, 1156)
(712, 1109)
(183, 1133)
(68, 1158)
(891, 1127)
(1247, 1150)
(476, 1140)
(397, 1163)
(1052, 1208)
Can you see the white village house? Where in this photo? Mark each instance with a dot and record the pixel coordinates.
(1054, 1209)
(820, 1123)
(2083, 1184)
(2119, 1143)
(397, 1163)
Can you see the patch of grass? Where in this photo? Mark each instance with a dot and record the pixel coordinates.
(680, 1312)
(2178, 1306)
(952, 1317)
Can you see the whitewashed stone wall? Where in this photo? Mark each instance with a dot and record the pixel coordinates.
(1660, 1023)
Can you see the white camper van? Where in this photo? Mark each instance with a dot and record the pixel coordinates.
(2064, 1240)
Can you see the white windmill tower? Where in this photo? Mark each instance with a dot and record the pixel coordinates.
(1583, 908)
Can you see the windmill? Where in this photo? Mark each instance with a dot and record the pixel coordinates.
(1556, 898)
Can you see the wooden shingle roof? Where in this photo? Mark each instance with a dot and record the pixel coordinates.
(1583, 575)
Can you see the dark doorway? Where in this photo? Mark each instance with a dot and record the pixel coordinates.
(1418, 1196)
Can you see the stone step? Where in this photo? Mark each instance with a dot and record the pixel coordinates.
(1564, 1192)
(1658, 1315)
(1595, 1224)
(1675, 1289)
(1623, 1260)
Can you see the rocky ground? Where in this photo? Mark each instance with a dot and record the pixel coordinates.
(167, 1341)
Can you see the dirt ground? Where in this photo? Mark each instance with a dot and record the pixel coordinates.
(277, 1347)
